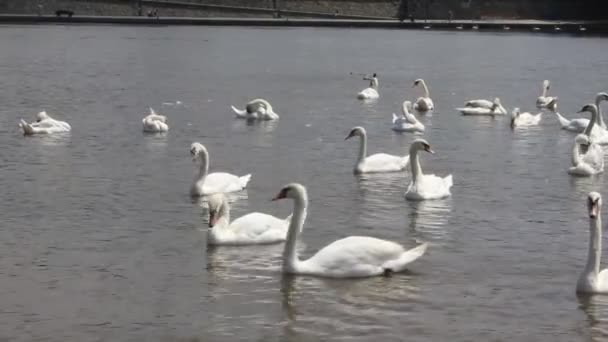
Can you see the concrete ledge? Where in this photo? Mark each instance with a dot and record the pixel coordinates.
(590, 27)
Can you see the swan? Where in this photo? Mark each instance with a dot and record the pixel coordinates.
(44, 124)
(596, 134)
(495, 109)
(424, 103)
(578, 125)
(154, 123)
(379, 162)
(543, 100)
(481, 103)
(407, 122)
(587, 157)
(353, 256)
(210, 183)
(592, 280)
(258, 109)
(425, 187)
(251, 229)
(519, 119)
(372, 91)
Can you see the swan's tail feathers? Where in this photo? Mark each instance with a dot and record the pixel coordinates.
(238, 112)
(244, 180)
(27, 128)
(562, 120)
(395, 117)
(448, 181)
(406, 258)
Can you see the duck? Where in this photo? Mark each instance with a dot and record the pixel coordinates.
(423, 103)
(350, 257)
(479, 108)
(258, 109)
(407, 122)
(207, 183)
(370, 93)
(525, 119)
(592, 280)
(425, 187)
(251, 229)
(578, 125)
(154, 123)
(543, 100)
(376, 163)
(44, 124)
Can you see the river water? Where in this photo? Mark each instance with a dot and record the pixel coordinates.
(100, 241)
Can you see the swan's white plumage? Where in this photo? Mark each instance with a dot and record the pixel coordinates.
(525, 119)
(592, 280)
(423, 186)
(44, 124)
(586, 161)
(544, 100)
(154, 123)
(578, 125)
(354, 256)
(495, 108)
(423, 103)
(371, 92)
(375, 163)
(407, 122)
(210, 183)
(258, 109)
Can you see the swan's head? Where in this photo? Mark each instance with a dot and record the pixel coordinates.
(582, 139)
(218, 205)
(602, 97)
(42, 116)
(591, 108)
(497, 101)
(293, 191)
(553, 104)
(422, 145)
(197, 150)
(594, 204)
(418, 82)
(356, 131)
(374, 75)
(546, 84)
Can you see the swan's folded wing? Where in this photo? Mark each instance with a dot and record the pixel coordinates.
(382, 162)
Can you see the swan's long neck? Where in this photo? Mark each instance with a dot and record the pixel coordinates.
(589, 127)
(576, 155)
(362, 147)
(290, 255)
(545, 87)
(595, 246)
(426, 89)
(600, 119)
(373, 83)
(204, 166)
(415, 164)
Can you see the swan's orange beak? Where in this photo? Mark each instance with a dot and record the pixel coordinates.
(282, 194)
(350, 135)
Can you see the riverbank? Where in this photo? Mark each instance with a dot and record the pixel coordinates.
(587, 27)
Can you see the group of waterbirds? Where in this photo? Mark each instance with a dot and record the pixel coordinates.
(359, 256)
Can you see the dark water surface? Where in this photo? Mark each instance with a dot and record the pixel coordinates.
(99, 240)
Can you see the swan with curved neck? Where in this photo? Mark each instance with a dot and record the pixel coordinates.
(587, 156)
(425, 187)
(519, 119)
(543, 100)
(407, 122)
(351, 257)
(495, 109)
(379, 162)
(154, 123)
(44, 124)
(251, 229)
(592, 280)
(371, 92)
(578, 125)
(424, 103)
(207, 183)
(258, 109)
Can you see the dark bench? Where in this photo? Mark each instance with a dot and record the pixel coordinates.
(59, 13)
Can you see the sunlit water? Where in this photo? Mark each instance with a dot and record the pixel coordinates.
(99, 239)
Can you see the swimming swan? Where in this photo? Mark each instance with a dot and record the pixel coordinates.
(253, 228)
(519, 119)
(587, 157)
(578, 125)
(481, 103)
(354, 256)
(592, 280)
(207, 183)
(258, 109)
(495, 109)
(154, 123)
(423, 103)
(407, 122)
(44, 124)
(543, 100)
(371, 92)
(379, 162)
(425, 187)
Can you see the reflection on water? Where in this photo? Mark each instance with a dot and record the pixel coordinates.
(596, 309)
(431, 218)
(261, 130)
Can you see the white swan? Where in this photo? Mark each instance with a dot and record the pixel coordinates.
(578, 125)
(251, 229)
(258, 109)
(592, 280)
(519, 119)
(210, 183)
(587, 157)
(407, 122)
(154, 123)
(481, 103)
(425, 187)
(543, 100)
(354, 256)
(495, 108)
(423, 103)
(379, 162)
(44, 124)
(371, 92)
